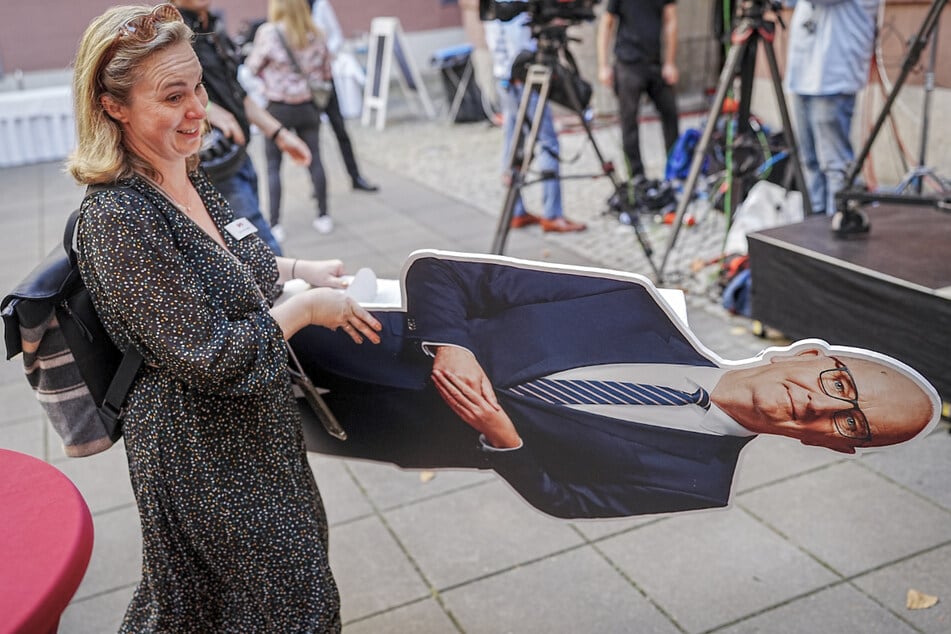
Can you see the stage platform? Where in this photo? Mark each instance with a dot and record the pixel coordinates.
(889, 290)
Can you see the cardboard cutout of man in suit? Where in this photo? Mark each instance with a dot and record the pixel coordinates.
(446, 388)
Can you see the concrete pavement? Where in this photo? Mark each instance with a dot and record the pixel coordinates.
(812, 543)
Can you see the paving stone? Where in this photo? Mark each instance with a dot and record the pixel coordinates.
(342, 497)
(929, 573)
(582, 593)
(103, 479)
(476, 531)
(841, 609)
(770, 459)
(116, 560)
(922, 466)
(97, 614)
(388, 486)
(421, 617)
(710, 568)
(25, 435)
(845, 516)
(372, 569)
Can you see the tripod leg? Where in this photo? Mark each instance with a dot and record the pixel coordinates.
(787, 127)
(522, 150)
(608, 168)
(700, 151)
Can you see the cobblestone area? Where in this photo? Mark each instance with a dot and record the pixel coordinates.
(464, 161)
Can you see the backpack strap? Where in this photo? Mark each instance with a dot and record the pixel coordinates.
(111, 407)
(132, 359)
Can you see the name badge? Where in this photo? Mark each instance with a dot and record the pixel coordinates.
(240, 228)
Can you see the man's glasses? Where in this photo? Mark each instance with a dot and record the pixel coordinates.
(839, 384)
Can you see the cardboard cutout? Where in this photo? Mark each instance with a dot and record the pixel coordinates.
(452, 385)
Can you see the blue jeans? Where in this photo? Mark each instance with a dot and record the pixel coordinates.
(546, 148)
(823, 124)
(241, 192)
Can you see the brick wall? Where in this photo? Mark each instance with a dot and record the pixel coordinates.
(44, 34)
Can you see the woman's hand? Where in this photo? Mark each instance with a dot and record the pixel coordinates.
(332, 308)
(293, 146)
(226, 122)
(321, 272)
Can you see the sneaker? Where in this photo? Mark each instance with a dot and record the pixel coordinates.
(324, 224)
(278, 232)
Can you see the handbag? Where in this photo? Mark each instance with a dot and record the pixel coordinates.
(305, 390)
(320, 91)
(306, 393)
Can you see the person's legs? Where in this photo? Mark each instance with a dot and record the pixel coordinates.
(805, 133)
(510, 97)
(664, 99)
(274, 193)
(337, 123)
(629, 83)
(832, 121)
(304, 119)
(241, 192)
(546, 151)
(274, 158)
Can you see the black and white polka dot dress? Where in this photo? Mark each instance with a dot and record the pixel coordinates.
(234, 530)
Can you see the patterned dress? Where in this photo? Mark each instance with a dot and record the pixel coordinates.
(234, 530)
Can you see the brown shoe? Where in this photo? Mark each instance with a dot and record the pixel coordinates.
(525, 220)
(561, 225)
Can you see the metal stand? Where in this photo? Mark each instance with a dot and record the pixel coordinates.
(538, 81)
(849, 219)
(751, 31)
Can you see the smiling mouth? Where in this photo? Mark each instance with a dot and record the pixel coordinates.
(192, 131)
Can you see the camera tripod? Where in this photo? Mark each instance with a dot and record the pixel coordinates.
(544, 72)
(752, 30)
(849, 219)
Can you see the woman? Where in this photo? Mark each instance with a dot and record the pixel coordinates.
(234, 532)
(291, 31)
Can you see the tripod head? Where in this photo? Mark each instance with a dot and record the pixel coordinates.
(757, 8)
(568, 89)
(542, 11)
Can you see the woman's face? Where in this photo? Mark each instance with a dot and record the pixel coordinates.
(162, 123)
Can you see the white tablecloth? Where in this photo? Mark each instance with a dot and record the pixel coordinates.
(36, 125)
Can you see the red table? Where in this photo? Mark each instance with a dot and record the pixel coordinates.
(45, 543)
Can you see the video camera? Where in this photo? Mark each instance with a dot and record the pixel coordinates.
(542, 11)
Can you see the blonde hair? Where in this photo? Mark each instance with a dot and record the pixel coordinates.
(297, 19)
(109, 64)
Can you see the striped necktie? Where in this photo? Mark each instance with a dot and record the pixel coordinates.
(584, 392)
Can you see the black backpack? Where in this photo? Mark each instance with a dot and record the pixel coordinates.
(79, 376)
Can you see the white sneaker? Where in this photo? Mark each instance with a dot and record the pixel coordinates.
(278, 232)
(324, 224)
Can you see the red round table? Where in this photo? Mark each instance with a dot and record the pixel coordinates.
(45, 543)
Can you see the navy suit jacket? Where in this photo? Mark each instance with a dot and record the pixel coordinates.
(522, 324)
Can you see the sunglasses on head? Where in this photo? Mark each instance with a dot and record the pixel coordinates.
(142, 27)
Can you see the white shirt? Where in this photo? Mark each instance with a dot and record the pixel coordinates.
(506, 40)
(686, 378)
(830, 46)
(326, 21)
